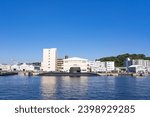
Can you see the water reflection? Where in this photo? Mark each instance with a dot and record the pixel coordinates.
(100, 87)
(95, 88)
(63, 87)
(48, 87)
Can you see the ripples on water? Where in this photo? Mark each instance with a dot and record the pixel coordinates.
(77, 88)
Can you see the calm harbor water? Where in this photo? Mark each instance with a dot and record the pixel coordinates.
(77, 88)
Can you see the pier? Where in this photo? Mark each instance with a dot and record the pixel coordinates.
(68, 74)
(6, 73)
(108, 74)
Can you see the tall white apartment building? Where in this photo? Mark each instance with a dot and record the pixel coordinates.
(49, 59)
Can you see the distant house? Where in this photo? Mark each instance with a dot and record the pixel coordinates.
(5, 67)
(15, 67)
(25, 67)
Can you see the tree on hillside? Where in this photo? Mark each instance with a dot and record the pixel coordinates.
(119, 60)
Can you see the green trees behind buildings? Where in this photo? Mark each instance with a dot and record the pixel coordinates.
(119, 60)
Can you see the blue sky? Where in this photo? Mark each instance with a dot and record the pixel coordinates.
(85, 28)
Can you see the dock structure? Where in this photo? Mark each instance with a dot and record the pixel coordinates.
(6, 73)
(121, 74)
(67, 74)
(108, 74)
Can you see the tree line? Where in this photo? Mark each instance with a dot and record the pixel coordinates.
(119, 60)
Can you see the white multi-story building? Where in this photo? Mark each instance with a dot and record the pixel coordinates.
(98, 66)
(60, 64)
(49, 59)
(75, 62)
(129, 62)
(138, 62)
(145, 63)
(110, 66)
(135, 63)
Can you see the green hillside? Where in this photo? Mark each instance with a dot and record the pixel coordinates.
(119, 60)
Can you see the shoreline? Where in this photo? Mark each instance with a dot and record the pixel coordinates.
(30, 73)
(68, 74)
